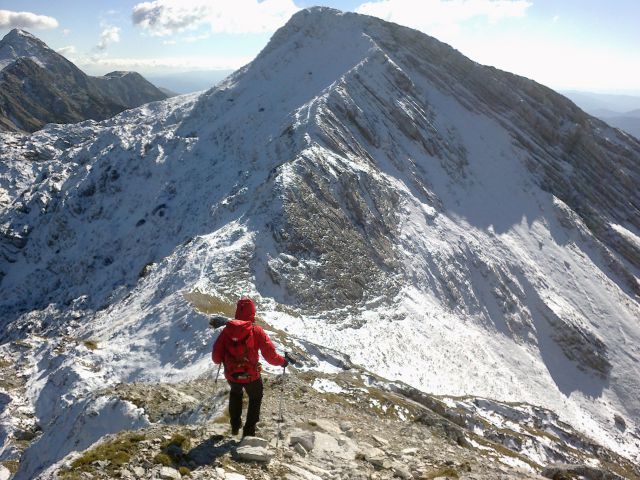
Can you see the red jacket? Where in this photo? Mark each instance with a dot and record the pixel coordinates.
(258, 341)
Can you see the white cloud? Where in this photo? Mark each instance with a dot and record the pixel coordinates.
(67, 51)
(108, 36)
(66, 32)
(166, 17)
(10, 19)
(443, 18)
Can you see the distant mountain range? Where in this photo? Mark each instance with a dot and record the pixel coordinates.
(620, 111)
(39, 86)
(188, 82)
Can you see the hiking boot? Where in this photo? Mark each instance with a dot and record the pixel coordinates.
(235, 429)
(249, 431)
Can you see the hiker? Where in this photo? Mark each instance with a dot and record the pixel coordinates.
(237, 349)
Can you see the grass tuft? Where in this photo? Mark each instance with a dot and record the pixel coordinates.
(163, 459)
(90, 344)
(117, 452)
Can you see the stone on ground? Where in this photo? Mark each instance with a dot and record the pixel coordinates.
(168, 473)
(254, 442)
(254, 454)
(305, 438)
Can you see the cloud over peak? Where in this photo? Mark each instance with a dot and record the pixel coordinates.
(11, 19)
(167, 17)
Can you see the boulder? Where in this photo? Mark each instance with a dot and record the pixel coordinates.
(254, 442)
(402, 471)
(373, 455)
(168, 473)
(305, 438)
(583, 471)
(326, 426)
(254, 454)
(300, 449)
(234, 476)
(139, 472)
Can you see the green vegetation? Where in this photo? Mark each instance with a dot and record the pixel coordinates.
(443, 472)
(222, 419)
(177, 440)
(22, 343)
(11, 465)
(174, 451)
(210, 304)
(146, 270)
(116, 452)
(163, 459)
(90, 344)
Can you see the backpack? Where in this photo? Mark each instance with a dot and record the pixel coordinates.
(237, 359)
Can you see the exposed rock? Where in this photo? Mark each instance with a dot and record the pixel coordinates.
(303, 474)
(305, 438)
(256, 454)
(381, 442)
(138, 471)
(300, 449)
(373, 455)
(620, 422)
(233, 476)
(400, 470)
(168, 473)
(253, 442)
(583, 471)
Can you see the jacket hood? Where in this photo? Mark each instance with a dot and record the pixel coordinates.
(245, 310)
(238, 329)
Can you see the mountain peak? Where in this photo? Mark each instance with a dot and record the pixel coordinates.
(18, 32)
(20, 43)
(17, 35)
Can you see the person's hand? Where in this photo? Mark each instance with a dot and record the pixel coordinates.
(289, 360)
(285, 364)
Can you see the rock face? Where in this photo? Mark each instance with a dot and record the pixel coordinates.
(39, 86)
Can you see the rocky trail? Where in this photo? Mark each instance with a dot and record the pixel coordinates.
(344, 425)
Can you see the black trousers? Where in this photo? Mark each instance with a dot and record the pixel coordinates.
(254, 392)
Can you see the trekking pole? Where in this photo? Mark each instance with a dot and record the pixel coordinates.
(215, 387)
(280, 407)
(212, 400)
(280, 414)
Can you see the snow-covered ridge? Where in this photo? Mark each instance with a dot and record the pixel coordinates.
(441, 222)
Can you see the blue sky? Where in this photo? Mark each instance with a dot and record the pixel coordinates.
(568, 44)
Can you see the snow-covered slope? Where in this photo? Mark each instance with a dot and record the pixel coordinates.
(456, 227)
(21, 44)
